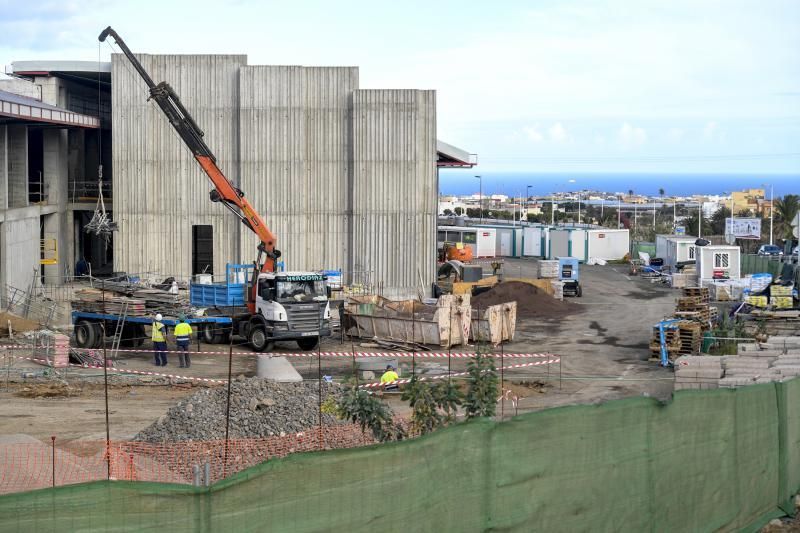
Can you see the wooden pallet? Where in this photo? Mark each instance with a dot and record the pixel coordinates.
(702, 292)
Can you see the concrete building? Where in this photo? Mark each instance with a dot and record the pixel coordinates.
(50, 148)
(346, 178)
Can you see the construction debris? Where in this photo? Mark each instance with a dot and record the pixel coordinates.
(140, 302)
(258, 408)
(532, 302)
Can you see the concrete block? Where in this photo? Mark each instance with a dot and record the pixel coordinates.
(694, 361)
(709, 386)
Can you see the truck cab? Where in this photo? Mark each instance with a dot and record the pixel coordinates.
(290, 306)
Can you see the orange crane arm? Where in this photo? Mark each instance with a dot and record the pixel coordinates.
(224, 191)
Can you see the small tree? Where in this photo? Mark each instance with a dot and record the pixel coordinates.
(481, 398)
(432, 405)
(366, 410)
(459, 211)
(447, 212)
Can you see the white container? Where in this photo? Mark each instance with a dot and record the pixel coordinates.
(723, 259)
(204, 279)
(679, 249)
(606, 244)
(567, 242)
(482, 241)
(535, 241)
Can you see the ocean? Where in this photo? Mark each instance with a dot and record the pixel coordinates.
(463, 182)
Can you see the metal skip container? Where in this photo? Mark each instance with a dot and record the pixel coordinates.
(445, 324)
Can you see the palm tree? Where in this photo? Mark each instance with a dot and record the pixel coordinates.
(786, 210)
(661, 192)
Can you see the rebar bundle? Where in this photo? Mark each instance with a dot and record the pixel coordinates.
(101, 223)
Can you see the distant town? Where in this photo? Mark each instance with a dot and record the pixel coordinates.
(612, 209)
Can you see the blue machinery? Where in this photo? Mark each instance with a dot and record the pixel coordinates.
(569, 274)
(663, 327)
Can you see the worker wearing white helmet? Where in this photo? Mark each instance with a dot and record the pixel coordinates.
(158, 334)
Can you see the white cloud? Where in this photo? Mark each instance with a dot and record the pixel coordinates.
(632, 136)
(675, 134)
(710, 130)
(533, 133)
(558, 133)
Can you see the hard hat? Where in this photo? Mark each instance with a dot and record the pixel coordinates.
(158, 317)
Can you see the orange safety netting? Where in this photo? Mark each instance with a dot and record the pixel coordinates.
(34, 465)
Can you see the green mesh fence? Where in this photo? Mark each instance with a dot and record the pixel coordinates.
(709, 460)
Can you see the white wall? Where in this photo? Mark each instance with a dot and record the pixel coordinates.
(19, 251)
(608, 245)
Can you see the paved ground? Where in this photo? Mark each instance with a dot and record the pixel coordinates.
(603, 349)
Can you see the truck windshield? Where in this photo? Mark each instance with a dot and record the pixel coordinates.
(301, 291)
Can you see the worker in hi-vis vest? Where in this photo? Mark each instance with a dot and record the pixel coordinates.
(183, 334)
(158, 334)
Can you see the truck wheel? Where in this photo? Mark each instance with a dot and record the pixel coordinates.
(99, 338)
(308, 343)
(579, 291)
(132, 336)
(207, 334)
(257, 337)
(84, 334)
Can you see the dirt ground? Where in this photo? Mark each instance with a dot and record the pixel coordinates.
(603, 351)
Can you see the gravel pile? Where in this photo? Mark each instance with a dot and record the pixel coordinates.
(259, 408)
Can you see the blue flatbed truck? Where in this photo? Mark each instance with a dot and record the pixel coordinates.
(89, 327)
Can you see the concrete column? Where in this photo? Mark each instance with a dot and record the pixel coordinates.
(3, 168)
(56, 168)
(17, 150)
(77, 158)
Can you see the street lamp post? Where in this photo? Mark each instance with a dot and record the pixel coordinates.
(527, 201)
(480, 194)
(771, 198)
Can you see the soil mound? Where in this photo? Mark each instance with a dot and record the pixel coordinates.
(18, 324)
(531, 301)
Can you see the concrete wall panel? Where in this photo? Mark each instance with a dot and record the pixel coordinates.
(3, 167)
(394, 188)
(159, 189)
(19, 251)
(296, 148)
(17, 165)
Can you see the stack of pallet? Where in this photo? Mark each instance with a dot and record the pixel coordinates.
(694, 305)
(672, 342)
(691, 335)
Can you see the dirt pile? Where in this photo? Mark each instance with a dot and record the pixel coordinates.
(259, 408)
(531, 301)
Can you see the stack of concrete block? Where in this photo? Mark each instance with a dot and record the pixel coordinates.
(698, 372)
(746, 370)
(788, 364)
(548, 268)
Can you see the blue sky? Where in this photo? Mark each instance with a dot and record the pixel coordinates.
(614, 85)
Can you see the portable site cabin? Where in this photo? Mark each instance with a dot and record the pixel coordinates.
(509, 239)
(567, 242)
(718, 262)
(674, 249)
(535, 241)
(482, 241)
(585, 244)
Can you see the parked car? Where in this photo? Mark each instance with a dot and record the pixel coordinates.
(770, 249)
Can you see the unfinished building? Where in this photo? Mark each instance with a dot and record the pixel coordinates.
(345, 177)
(51, 144)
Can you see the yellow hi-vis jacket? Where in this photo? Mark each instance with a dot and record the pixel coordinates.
(183, 331)
(157, 333)
(388, 377)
